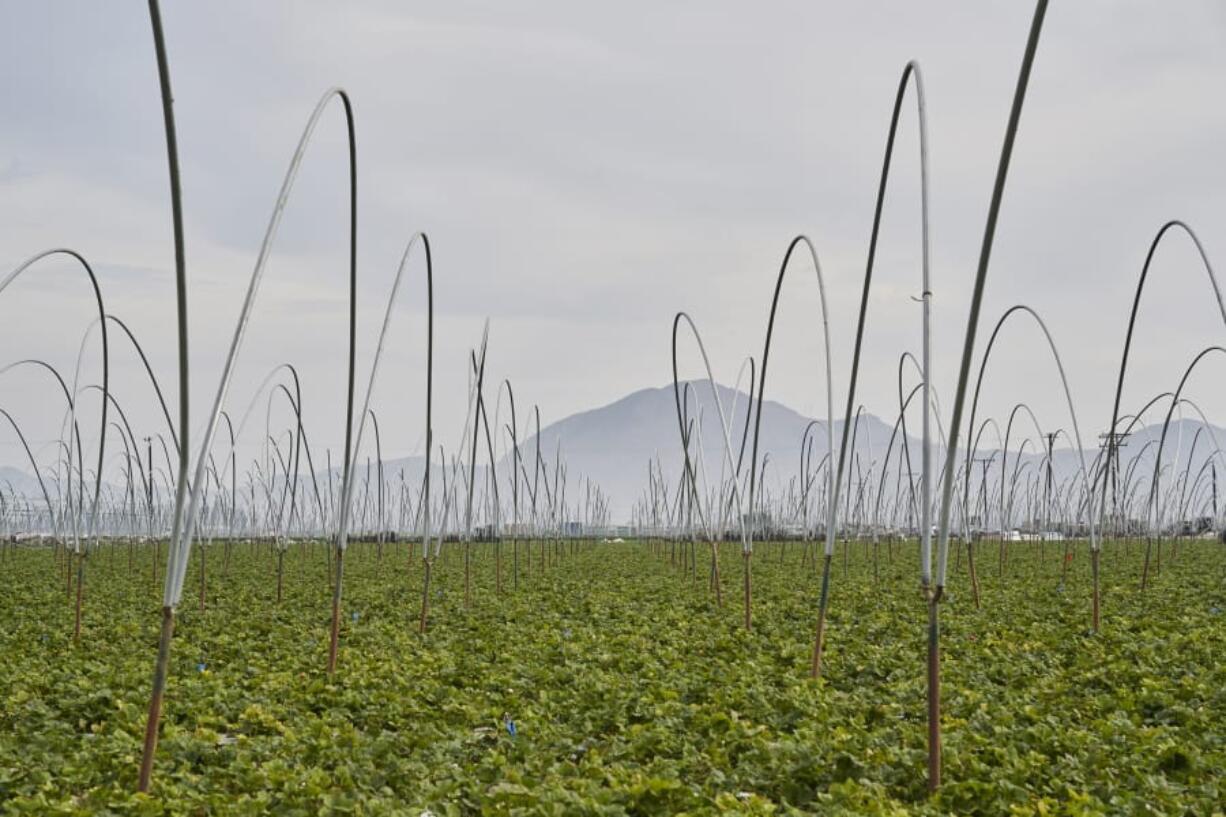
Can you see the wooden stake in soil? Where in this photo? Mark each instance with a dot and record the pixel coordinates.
(748, 593)
(934, 691)
(820, 637)
(334, 638)
(155, 701)
(76, 627)
(970, 564)
(425, 596)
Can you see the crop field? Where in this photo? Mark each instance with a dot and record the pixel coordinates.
(316, 555)
(610, 682)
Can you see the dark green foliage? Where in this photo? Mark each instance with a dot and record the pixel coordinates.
(630, 692)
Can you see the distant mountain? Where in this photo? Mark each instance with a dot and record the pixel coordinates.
(613, 445)
(23, 483)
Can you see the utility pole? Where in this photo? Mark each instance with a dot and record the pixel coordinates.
(1113, 441)
(1213, 473)
(983, 487)
(1051, 444)
(149, 481)
(157, 545)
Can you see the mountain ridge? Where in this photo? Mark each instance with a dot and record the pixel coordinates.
(612, 445)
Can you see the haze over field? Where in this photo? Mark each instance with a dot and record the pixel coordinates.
(612, 445)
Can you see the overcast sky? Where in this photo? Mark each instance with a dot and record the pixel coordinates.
(586, 171)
